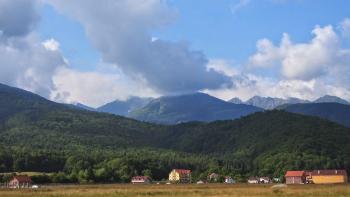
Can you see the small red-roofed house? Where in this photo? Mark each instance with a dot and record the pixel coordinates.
(295, 177)
(180, 176)
(140, 180)
(22, 181)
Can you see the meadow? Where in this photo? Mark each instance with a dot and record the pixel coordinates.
(212, 190)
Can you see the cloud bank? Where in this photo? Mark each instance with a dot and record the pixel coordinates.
(24, 61)
(120, 30)
(135, 63)
(304, 70)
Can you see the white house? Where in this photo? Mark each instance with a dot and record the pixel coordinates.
(229, 180)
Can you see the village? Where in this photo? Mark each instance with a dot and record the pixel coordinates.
(184, 176)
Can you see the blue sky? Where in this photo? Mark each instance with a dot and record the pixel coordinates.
(94, 52)
(210, 26)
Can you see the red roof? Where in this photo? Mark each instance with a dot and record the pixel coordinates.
(183, 171)
(23, 179)
(295, 173)
(328, 172)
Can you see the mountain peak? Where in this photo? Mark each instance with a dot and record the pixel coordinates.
(331, 99)
(123, 108)
(236, 100)
(191, 107)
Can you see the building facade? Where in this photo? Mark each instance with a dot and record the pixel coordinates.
(180, 176)
(329, 176)
(295, 177)
(141, 180)
(22, 181)
(229, 180)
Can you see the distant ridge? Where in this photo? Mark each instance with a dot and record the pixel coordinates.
(335, 112)
(272, 103)
(191, 107)
(268, 102)
(331, 99)
(123, 108)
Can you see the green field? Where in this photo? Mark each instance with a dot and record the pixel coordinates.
(129, 190)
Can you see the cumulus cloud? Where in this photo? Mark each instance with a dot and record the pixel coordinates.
(25, 61)
(303, 61)
(95, 88)
(18, 17)
(306, 70)
(120, 30)
(51, 44)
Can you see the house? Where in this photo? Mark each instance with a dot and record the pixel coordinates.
(229, 180)
(180, 176)
(329, 176)
(253, 180)
(265, 180)
(213, 177)
(295, 177)
(22, 181)
(141, 180)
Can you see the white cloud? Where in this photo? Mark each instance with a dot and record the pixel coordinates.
(303, 61)
(239, 5)
(26, 63)
(120, 31)
(95, 88)
(345, 27)
(51, 44)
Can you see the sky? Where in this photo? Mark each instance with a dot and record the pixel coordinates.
(94, 52)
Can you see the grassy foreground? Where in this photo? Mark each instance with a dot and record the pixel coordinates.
(180, 190)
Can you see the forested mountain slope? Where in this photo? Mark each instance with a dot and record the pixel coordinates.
(36, 134)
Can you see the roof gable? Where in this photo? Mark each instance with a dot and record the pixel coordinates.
(183, 171)
(23, 179)
(295, 173)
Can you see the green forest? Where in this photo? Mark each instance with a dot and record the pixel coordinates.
(78, 146)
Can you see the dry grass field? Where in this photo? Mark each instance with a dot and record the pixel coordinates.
(212, 190)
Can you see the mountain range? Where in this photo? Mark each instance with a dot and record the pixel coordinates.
(191, 107)
(124, 108)
(272, 103)
(57, 137)
(203, 107)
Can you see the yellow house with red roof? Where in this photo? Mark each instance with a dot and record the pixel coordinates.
(180, 176)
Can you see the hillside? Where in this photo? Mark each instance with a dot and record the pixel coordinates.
(336, 112)
(123, 108)
(191, 107)
(40, 135)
